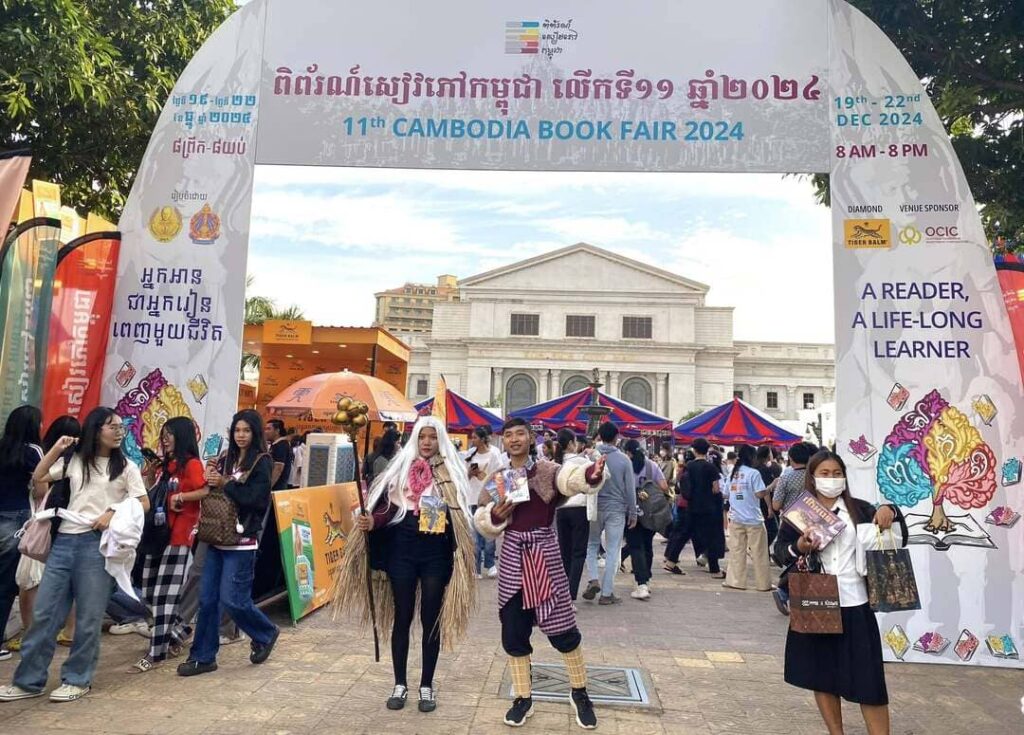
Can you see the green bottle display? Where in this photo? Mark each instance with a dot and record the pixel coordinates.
(302, 539)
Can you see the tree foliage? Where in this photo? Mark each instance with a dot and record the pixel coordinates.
(82, 83)
(259, 309)
(970, 54)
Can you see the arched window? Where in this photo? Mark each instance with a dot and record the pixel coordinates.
(638, 392)
(575, 383)
(520, 392)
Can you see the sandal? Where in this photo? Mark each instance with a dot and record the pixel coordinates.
(672, 569)
(63, 639)
(143, 665)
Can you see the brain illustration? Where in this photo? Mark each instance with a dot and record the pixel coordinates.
(934, 451)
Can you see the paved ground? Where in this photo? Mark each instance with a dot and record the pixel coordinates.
(714, 657)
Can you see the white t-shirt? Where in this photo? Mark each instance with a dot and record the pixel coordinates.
(93, 499)
(744, 506)
(488, 463)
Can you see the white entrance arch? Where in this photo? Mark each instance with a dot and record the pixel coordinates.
(927, 370)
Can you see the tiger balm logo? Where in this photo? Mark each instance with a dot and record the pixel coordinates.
(867, 234)
(335, 528)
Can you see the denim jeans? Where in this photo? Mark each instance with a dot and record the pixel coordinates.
(613, 525)
(10, 523)
(484, 547)
(227, 582)
(123, 609)
(74, 574)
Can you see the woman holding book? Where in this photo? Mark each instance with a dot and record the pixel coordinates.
(846, 665)
(417, 539)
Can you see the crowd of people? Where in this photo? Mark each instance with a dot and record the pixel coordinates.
(561, 504)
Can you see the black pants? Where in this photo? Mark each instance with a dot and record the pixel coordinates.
(771, 525)
(423, 560)
(707, 527)
(640, 541)
(679, 535)
(573, 535)
(517, 627)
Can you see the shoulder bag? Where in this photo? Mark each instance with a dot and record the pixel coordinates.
(814, 600)
(36, 537)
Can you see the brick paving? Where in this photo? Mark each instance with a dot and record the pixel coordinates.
(714, 658)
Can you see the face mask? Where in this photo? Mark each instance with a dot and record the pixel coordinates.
(830, 487)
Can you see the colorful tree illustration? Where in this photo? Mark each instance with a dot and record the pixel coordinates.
(934, 451)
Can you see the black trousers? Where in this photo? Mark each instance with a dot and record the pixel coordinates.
(640, 541)
(707, 527)
(517, 627)
(679, 535)
(573, 535)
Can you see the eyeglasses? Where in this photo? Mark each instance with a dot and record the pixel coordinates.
(116, 428)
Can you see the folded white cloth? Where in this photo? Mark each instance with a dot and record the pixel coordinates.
(869, 538)
(119, 542)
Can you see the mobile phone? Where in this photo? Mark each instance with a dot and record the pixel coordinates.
(150, 455)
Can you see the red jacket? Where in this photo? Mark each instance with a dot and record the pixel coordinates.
(191, 478)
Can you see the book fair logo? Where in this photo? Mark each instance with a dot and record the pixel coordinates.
(548, 37)
(867, 234)
(204, 227)
(165, 223)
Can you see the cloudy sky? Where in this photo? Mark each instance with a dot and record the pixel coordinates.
(326, 239)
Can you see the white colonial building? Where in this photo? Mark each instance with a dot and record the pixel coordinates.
(534, 330)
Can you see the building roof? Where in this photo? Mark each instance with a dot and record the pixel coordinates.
(583, 247)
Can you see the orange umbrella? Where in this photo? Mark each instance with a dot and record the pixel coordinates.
(316, 398)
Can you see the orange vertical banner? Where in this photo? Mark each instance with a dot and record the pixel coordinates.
(83, 294)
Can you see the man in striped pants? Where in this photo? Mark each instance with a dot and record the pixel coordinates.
(532, 586)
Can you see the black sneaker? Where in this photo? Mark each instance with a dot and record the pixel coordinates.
(781, 603)
(428, 700)
(262, 653)
(194, 668)
(609, 600)
(398, 697)
(592, 590)
(583, 708)
(521, 709)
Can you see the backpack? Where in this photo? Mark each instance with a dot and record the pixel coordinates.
(656, 512)
(156, 533)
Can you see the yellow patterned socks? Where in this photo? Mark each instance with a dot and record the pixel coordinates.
(576, 668)
(520, 667)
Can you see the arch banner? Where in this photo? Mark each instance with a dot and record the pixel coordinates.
(927, 373)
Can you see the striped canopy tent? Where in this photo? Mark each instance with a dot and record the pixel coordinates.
(735, 422)
(463, 415)
(567, 412)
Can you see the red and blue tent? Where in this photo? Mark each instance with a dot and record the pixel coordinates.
(567, 412)
(463, 415)
(734, 423)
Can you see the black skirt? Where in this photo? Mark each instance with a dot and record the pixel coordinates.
(847, 665)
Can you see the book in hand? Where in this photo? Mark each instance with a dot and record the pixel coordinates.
(511, 484)
(806, 513)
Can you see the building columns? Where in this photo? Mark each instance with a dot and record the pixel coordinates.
(542, 385)
(556, 384)
(498, 385)
(613, 383)
(661, 394)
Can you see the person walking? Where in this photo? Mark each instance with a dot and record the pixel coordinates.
(244, 474)
(616, 511)
(100, 477)
(163, 573)
(571, 519)
(20, 453)
(532, 586)
(681, 531)
(848, 665)
(483, 461)
(705, 505)
(770, 471)
(748, 536)
(640, 539)
(417, 530)
(386, 451)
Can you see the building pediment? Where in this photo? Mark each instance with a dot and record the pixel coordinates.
(582, 267)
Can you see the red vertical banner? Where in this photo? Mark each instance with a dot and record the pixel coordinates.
(1010, 269)
(83, 295)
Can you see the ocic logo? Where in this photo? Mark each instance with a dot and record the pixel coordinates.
(911, 234)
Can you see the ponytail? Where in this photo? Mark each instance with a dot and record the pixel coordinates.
(563, 439)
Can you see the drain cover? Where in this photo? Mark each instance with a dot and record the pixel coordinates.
(605, 684)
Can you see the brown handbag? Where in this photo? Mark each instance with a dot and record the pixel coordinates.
(814, 602)
(218, 514)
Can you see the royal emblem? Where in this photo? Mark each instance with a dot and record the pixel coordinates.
(165, 223)
(204, 227)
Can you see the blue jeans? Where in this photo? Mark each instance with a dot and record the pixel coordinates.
(484, 547)
(10, 523)
(74, 574)
(613, 524)
(123, 609)
(227, 582)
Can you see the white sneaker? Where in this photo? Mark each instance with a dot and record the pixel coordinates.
(139, 627)
(68, 693)
(227, 641)
(492, 572)
(641, 592)
(601, 563)
(12, 693)
(479, 576)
